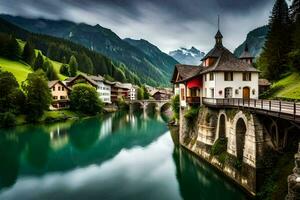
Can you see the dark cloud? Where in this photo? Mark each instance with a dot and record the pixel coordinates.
(167, 23)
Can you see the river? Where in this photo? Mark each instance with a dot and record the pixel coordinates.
(119, 156)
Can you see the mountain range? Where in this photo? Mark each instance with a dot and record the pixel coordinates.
(190, 56)
(141, 57)
(255, 40)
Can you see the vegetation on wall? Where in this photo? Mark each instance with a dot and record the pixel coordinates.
(175, 103)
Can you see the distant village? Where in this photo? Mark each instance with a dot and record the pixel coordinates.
(109, 92)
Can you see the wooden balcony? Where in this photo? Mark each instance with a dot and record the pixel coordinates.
(193, 100)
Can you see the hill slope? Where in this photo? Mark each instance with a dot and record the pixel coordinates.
(57, 48)
(105, 41)
(255, 40)
(155, 55)
(286, 88)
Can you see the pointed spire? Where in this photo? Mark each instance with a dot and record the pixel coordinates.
(246, 47)
(219, 35)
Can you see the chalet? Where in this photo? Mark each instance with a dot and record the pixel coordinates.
(81, 78)
(161, 94)
(221, 75)
(102, 86)
(132, 93)
(60, 95)
(119, 91)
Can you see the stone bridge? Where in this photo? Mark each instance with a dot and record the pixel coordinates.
(157, 105)
(249, 136)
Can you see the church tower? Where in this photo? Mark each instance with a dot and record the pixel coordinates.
(219, 36)
(246, 55)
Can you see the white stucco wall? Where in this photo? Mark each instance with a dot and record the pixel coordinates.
(219, 84)
(104, 92)
(182, 101)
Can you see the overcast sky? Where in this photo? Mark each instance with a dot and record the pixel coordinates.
(169, 24)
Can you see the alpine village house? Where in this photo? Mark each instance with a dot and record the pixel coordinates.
(221, 75)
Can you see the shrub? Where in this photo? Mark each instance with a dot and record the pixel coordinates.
(192, 113)
(7, 119)
(84, 98)
(175, 106)
(219, 147)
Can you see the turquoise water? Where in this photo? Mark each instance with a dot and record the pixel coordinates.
(120, 156)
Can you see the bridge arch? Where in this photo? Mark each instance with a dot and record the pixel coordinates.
(136, 106)
(240, 129)
(151, 107)
(165, 106)
(222, 119)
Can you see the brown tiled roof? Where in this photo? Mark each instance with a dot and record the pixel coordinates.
(264, 82)
(186, 71)
(228, 62)
(216, 52)
(71, 79)
(246, 54)
(52, 83)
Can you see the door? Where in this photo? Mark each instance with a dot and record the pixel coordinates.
(228, 92)
(246, 93)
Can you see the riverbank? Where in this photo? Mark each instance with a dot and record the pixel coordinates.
(58, 116)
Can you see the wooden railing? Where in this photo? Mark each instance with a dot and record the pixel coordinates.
(193, 100)
(282, 109)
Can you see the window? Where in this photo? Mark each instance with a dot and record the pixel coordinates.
(228, 76)
(182, 94)
(205, 77)
(62, 88)
(211, 76)
(228, 92)
(58, 88)
(212, 91)
(247, 76)
(53, 88)
(55, 97)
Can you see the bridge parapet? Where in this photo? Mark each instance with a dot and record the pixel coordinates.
(281, 109)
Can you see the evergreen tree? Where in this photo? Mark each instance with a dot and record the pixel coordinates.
(13, 49)
(87, 64)
(140, 94)
(64, 60)
(278, 43)
(295, 10)
(28, 54)
(39, 62)
(64, 70)
(73, 66)
(146, 93)
(50, 72)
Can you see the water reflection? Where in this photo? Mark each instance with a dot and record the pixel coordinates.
(198, 180)
(120, 156)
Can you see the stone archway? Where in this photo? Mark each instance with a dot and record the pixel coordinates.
(222, 126)
(241, 130)
(152, 108)
(165, 107)
(136, 107)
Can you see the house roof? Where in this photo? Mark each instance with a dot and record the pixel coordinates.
(226, 61)
(53, 83)
(246, 53)
(185, 72)
(71, 79)
(264, 82)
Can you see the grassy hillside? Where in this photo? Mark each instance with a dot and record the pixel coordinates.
(20, 69)
(287, 88)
